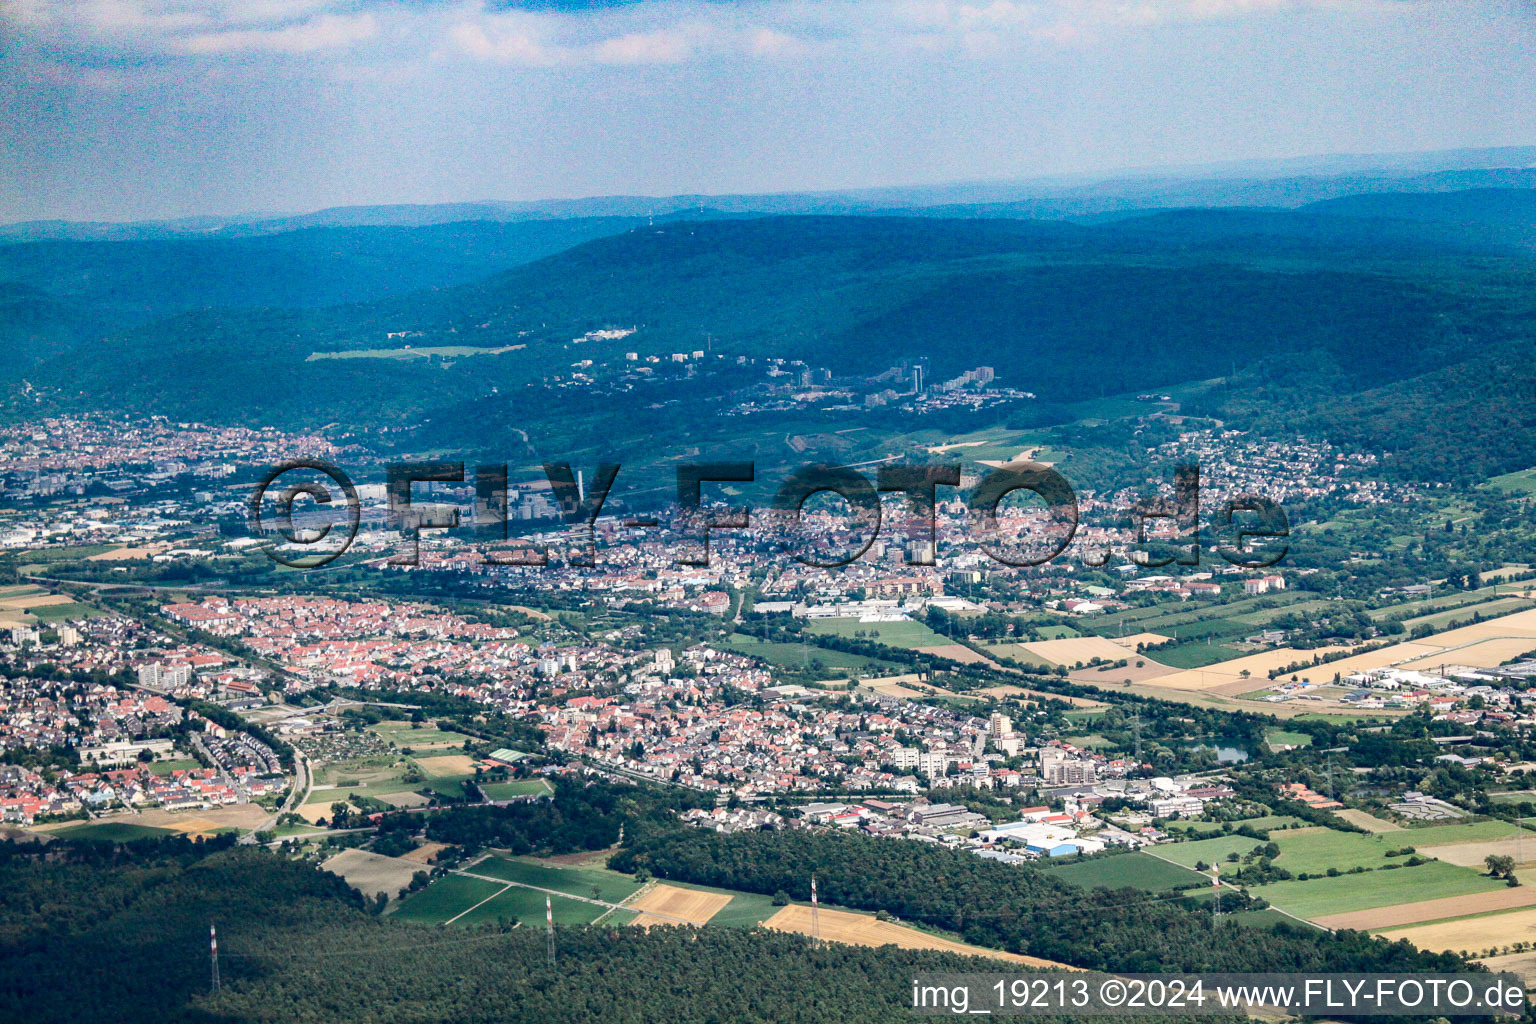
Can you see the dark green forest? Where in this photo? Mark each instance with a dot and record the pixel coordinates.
(997, 905)
(120, 934)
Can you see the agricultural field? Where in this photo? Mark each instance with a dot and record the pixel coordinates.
(1473, 934)
(866, 930)
(668, 905)
(1423, 911)
(465, 902)
(1263, 824)
(1210, 851)
(372, 873)
(910, 635)
(1072, 650)
(1319, 897)
(1129, 870)
(1487, 609)
(609, 886)
(1369, 822)
(112, 832)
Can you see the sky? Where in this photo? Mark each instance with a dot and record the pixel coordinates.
(136, 109)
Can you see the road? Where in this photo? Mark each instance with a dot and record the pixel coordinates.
(296, 794)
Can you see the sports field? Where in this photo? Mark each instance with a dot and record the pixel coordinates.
(516, 788)
(866, 930)
(666, 904)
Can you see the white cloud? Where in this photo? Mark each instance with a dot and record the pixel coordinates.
(329, 31)
(648, 32)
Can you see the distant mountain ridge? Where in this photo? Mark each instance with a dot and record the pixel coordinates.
(1286, 182)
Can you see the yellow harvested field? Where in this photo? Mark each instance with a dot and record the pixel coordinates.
(866, 930)
(1471, 854)
(903, 686)
(23, 602)
(1522, 965)
(424, 853)
(405, 799)
(1020, 691)
(1103, 675)
(1258, 666)
(960, 653)
(313, 812)
(128, 553)
(1130, 642)
(1484, 654)
(1369, 822)
(1473, 934)
(1481, 645)
(1074, 649)
(447, 764)
(1431, 910)
(372, 873)
(668, 904)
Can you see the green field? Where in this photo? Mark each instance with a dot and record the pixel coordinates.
(445, 351)
(1522, 481)
(519, 787)
(1210, 851)
(1440, 835)
(1129, 870)
(184, 764)
(1312, 852)
(1263, 824)
(404, 734)
(1196, 655)
(802, 657)
(611, 886)
(1344, 893)
(1281, 736)
(61, 612)
(892, 634)
(452, 895)
(112, 832)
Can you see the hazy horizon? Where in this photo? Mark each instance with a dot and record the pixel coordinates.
(125, 110)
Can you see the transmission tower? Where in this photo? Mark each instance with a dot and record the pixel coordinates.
(549, 927)
(815, 916)
(213, 958)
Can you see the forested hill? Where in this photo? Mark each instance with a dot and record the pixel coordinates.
(1298, 319)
